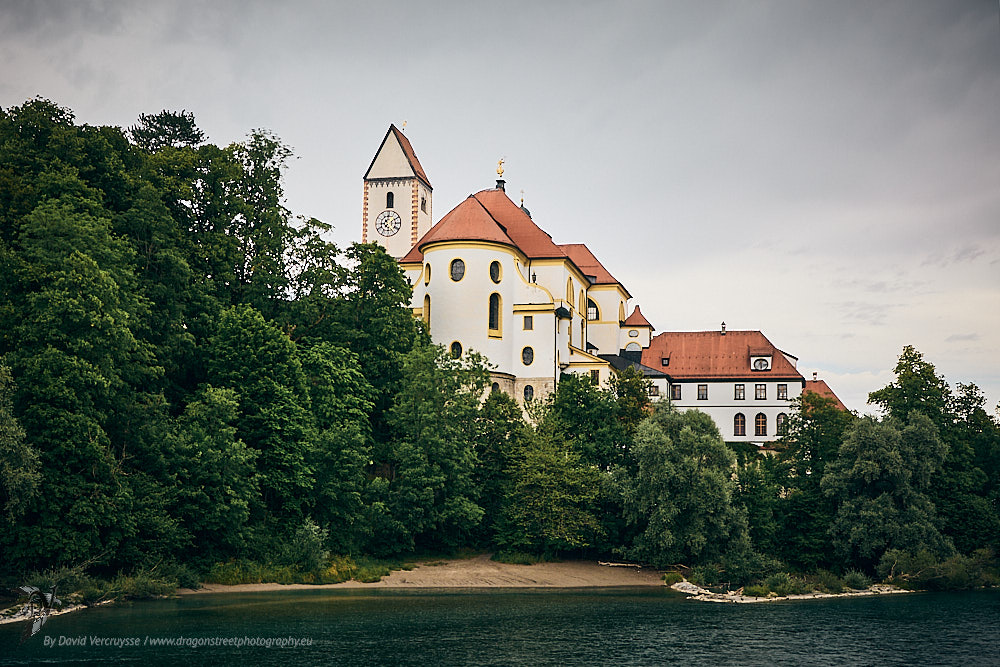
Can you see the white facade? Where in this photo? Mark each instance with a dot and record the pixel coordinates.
(486, 278)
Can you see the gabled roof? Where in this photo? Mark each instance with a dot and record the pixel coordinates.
(408, 151)
(588, 263)
(823, 389)
(636, 319)
(716, 355)
(489, 216)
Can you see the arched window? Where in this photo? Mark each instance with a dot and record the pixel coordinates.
(781, 424)
(592, 312)
(529, 392)
(739, 424)
(457, 269)
(621, 311)
(496, 387)
(527, 356)
(494, 319)
(456, 350)
(760, 425)
(389, 197)
(427, 310)
(569, 292)
(427, 274)
(633, 347)
(495, 271)
(581, 302)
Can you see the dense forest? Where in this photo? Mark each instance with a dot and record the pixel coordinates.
(195, 383)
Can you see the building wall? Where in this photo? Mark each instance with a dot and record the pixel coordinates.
(722, 406)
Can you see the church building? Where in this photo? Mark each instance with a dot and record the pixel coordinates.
(487, 278)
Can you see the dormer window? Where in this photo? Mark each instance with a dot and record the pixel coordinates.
(665, 361)
(760, 363)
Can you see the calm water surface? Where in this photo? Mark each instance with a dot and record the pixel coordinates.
(533, 627)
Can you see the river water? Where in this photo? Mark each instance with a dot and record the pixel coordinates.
(519, 627)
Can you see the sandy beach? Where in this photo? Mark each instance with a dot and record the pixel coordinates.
(481, 572)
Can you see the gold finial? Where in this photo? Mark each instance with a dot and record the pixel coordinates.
(500, 167)
(404, 124)
(522, 198)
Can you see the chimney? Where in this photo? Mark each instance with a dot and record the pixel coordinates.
(500, 184)
(814, 375)
(723, 333)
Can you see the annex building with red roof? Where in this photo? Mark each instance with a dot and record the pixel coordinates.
(487, 277)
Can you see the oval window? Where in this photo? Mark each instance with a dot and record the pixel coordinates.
(456, 350)
(527, 356)
(457, 269)
(495, 271)
(633, 334)
(529, 392)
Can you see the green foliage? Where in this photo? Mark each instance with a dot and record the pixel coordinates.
(427, 493)
(306, 548)
(671, 578)
(925, 571)
(549, 505)
(681, 497)
(857, 580)
(879, 483)
(19, 464)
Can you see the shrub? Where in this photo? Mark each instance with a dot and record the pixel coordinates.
(514, 557)
(305, 550)
(780, 583)
(828, 582)
(857, 580)
(755, 591)
(671, 578)
(706, 575)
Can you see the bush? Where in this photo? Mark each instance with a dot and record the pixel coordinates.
(305, 550)
(922, 570)
(748, 567)
(706, 575)
(828, 582)
(857, 580)
(755, 591)
(514, 557)
(671, 578)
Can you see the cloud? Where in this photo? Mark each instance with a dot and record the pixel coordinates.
(960, 338)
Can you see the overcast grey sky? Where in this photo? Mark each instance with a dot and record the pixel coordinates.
(826, 172)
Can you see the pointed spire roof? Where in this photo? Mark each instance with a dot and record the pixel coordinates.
(408, 152)
(636, 319)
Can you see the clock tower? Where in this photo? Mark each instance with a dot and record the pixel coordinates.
(397, 202)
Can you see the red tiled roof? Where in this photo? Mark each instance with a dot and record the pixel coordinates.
(408, 151)
(823, 389)
(588, 263)
(489, 216)
(636, 319)
(711, 354)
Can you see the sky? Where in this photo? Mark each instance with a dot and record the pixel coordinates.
(825, 172)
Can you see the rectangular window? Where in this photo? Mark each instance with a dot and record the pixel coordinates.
(654, 390)
(529, 322)
(761, 392)
(703, 392)
(740, 393)
(675, 392)
(595, 375)
(665, 361)
(782, 392)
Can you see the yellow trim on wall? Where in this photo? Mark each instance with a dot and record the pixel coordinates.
(533, 307)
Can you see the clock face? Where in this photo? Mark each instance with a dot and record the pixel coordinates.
(388, 223)
(760, 364)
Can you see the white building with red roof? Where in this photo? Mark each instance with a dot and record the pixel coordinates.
(487, 278)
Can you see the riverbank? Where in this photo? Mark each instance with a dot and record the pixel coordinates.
(480, 572)
(704, 595)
